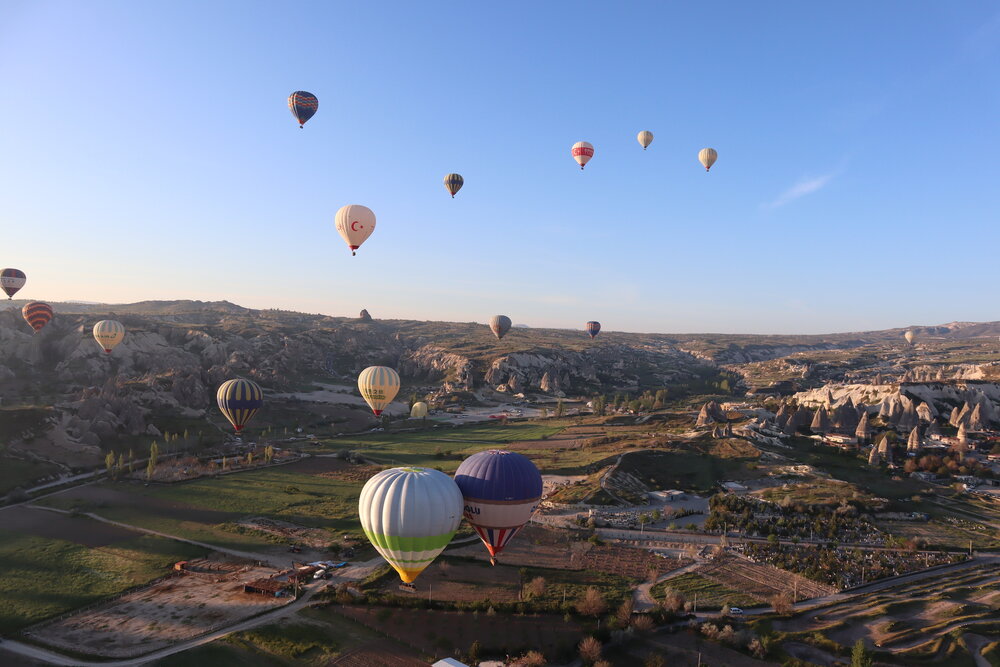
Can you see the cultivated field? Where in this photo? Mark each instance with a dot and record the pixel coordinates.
(760, 581)
(171, 611)
(706, 593)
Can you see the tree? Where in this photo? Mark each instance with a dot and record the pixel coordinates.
(268, 454)
(656, 515)
(726, 610)
(545, 413)
(154, 453)
(530, 659)
(185, 435)
(673, 600)
(130, 457)
(590, 650)
(537, 587)
(109, 461)
(624, 613)
(782, 603)
(599, 405)
(121, 464)
(474, 651)
(560, 409)
(642, 624)
(249, 458)
(591, 603)
(150, 469)
(860, 657)
(224, 462)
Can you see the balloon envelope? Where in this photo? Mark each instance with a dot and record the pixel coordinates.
(410, 516)
(582, 152)
(11, 280)
(500, 325)
(593, 328)
(378, 386)
(910, 336)
(419, 410)
(453, 183)
(239, 400)
(37, 314)
(645, 138)
(707, 157)
(108, 333)
(355, 224)
(303, 106)
(501, 490)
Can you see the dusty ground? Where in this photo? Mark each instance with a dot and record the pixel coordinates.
(51, 525)
(462, 582)
(173, 610)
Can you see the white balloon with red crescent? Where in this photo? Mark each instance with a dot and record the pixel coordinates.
(355, 224)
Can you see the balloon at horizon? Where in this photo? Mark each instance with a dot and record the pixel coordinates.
(12, 280)
(37, 314)
(108, 333)
(500, 325)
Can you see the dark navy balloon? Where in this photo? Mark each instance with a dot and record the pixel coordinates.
(303, 106)
(593, 328)
(501, 490)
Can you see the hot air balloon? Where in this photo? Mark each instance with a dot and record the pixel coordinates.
(593, 328)
(239, 401)
(582, 152)
(108, 333)
(501, 491)
(11, 280)
(355, 224)
(645, 138)
(500, 324)
(453, 183)
(37, 314)
(410, 516)
(910, 336)
(303, 106)
(419, 410)
(378, 385)
(707, 157)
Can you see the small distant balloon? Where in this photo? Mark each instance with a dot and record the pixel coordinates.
(500, 325)
(303, 105)
(37, 314)
(453, 183)
(582, 152)
(910, 336)
(355, 224)
(419, 410)
(11, 280)
(108, 333)
(239, 400)
(593, 328)
(645, 138)
(707, 157)
(378, 386)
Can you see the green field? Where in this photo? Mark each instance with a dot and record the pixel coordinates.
(44, 577)
(430, 447)
(16, 473)
(709, 594)
(204, 509)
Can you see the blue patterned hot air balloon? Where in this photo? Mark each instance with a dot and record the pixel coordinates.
(239, 401)
(453, 183)
(593, 328)
(501, 490)
(303, 106)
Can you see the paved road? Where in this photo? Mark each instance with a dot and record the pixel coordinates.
(53, 658)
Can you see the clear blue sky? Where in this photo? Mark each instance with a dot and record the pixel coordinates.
(147, 153)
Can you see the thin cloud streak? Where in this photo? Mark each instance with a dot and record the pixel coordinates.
(801, 189)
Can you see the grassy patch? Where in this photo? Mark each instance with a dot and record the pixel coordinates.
(15, 472)
(297, 641)
(41, 577)
(710, 594)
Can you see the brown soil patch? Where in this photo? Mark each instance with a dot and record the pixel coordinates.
(462, 582)
(52, 525)
(759, 580)
(570, 438)
(173, 610)
(315, 538)
(441, 632)
(375, 655)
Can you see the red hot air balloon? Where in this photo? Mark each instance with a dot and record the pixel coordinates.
(11, 280)
(593, 328)
(37, 314)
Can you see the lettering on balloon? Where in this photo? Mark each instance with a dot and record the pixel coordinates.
(471, 510)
